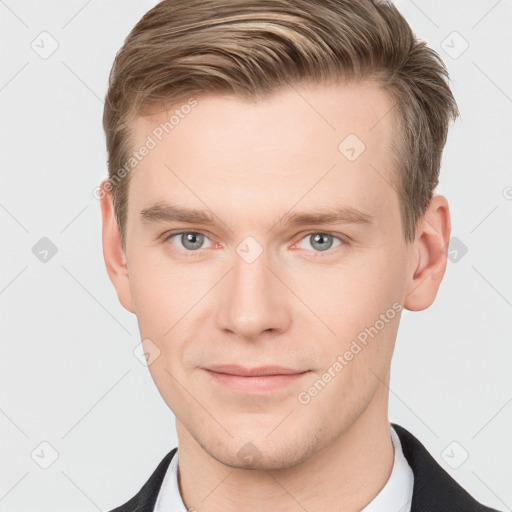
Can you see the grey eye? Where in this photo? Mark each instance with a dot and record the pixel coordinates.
(192, 241)
(188, 241)
(320, 242)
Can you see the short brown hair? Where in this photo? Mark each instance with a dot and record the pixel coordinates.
(252, 48)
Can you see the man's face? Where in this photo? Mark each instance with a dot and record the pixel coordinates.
(255, 289)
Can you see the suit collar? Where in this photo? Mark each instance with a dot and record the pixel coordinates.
(434, 489)
(145, 499)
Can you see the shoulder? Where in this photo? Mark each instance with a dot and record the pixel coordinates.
(434, 488)
(145, 499)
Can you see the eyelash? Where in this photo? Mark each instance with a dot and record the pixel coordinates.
(343, 239)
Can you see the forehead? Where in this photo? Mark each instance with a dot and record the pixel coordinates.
(317, 144)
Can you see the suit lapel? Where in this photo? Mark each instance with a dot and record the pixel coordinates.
(434, 489)
(145, 499)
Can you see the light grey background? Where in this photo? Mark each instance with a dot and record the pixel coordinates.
(68, 373)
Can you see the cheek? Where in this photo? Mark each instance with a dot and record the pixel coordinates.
(361, 306)
(353, 295)
(167, 380)
(170, 303)
(162, 291)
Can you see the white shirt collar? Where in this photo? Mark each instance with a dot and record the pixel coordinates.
(396, 495)
(169, 497)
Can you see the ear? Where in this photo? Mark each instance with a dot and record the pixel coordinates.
(113, 252)
(428, 255)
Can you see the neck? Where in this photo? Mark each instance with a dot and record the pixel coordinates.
(345, 475)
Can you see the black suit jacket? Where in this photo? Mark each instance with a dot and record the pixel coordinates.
(434, 489)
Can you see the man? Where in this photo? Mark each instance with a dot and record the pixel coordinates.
(242, 137)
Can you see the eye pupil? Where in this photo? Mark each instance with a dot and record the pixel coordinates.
(192, 240)
(319, 238)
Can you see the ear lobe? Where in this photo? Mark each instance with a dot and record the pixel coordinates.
(429, 257)
(113, 253)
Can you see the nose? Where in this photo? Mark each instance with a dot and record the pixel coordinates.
(253, 300)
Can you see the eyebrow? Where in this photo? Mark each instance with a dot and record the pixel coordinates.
(166, 212)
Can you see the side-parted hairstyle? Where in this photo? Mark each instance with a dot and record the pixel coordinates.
(251, 48)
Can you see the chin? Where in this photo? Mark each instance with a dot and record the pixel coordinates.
(262, 453)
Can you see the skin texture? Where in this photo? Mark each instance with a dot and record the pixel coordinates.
(294, 305)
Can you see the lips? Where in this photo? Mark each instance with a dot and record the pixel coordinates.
(234, 369)
(256, 380)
